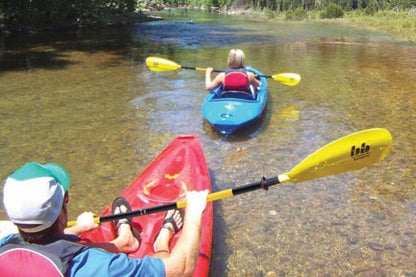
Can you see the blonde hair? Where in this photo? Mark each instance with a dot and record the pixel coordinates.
(236, 59)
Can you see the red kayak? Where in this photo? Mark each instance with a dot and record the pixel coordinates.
(180, 167)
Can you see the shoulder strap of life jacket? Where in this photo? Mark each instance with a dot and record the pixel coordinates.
(19, 258)
(236, 79)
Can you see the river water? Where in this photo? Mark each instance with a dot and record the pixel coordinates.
(86, 100)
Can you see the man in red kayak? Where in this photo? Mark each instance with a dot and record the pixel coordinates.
(235, 77)
(35, 198)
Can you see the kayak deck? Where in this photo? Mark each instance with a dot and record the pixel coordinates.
(180, 167)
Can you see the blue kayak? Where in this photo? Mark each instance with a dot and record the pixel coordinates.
(229, 111)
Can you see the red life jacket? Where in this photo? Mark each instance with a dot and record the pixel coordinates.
(236, 80)
(19, 258)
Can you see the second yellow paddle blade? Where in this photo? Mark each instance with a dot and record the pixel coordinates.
(160, 64)
(351, 152)
(288, 79)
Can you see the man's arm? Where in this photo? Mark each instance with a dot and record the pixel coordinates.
(85, 222)
(184, 256)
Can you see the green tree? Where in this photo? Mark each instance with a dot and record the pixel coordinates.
(20, 14)
(332, 11)
(296, 14)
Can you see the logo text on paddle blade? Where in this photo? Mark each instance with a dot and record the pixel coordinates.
(360, 151)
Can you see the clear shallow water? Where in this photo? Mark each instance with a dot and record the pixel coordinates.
(86, 100)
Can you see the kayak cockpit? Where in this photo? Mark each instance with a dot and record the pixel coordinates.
(237, 94)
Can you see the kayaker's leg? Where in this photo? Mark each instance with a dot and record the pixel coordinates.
(127, 240)
(171, 225)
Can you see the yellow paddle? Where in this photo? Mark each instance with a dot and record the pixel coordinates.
(160, 64)
(352, 152)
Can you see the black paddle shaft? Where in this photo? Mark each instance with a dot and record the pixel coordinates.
(140, 212)
(218, 71)
(263, 184)
(196, 68)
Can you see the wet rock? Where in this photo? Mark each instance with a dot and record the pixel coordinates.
(390, 247)
(370, 271)
(404, 244)
(342, 215)
(272, 212)
(284, 259)
(378, 255)
(376, 246)
(404, 253)
(344, 234)
(271, 274)
(363, 269)
(353, 240)
(379, 216)
(338, 223)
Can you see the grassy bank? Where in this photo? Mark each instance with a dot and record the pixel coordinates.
(401, 25)
(398, 24)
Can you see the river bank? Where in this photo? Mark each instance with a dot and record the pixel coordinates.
(400, 25)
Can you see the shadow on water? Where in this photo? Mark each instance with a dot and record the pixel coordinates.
(220, 250)
(27, 60)
(251, 130)
(50, 50)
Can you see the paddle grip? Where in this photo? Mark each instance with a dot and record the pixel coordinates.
(263, 184)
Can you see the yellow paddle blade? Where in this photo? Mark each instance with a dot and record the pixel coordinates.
(160, 64)
(288, 79)
(351, 152)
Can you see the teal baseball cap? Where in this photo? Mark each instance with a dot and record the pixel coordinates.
(34, 194)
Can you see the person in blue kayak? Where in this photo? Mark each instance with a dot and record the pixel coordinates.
(35, 198)
(235, 77)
